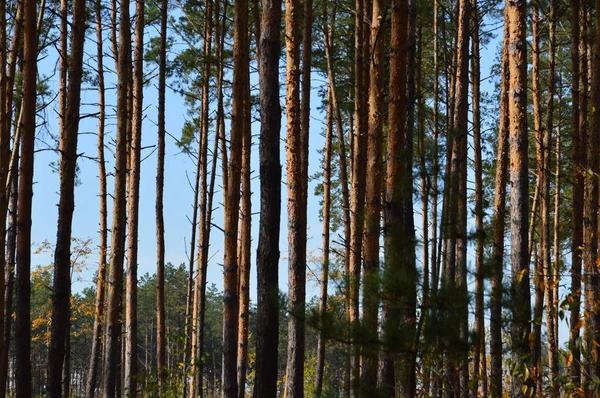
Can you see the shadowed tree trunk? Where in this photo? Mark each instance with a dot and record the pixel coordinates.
(499, 225)
(267, 256)
(23, 324)
(61, 298)
(112, 354)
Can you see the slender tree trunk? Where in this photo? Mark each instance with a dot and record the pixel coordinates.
(23, 325)
(479, 357)
(499, 225)
(204, 221)
(101, 284)
(399, 275)
(131, 357)
(244, 255)
(374, 181)
(591, 206)
(521, 307)
(541, 153)
(326, 232)
(61, 298)
(160, 225)
(115, 279)
(4, 186)
(239, 128)
(294, 386)
(578, 159)
(267, 258)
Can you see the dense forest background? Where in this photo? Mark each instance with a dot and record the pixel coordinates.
(369, 198)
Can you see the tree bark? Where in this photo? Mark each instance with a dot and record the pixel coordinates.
(499, 225)
(23, 326)
(239, 128)
(101, 284)
(115, 279)
(131, 322)
(399, 275)
(267, 258)
(160, 224)
(520, 306)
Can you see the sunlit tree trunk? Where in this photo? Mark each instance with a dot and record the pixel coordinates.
(239, 128)
(160, 225)
(399, 275)
(519, 193)
(131, 357)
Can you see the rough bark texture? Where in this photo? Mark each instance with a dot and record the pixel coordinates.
(517, 104)
(499, 224)
(399, 276)
(101, 284)
(239, 112)
(131, 357)
(267, 258)
(294, 386)
(369, 340)
(61, 303)
(112, 354)
(23, 326)
(244, 254)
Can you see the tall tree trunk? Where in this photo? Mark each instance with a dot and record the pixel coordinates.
(294, 386)
(267, 258)
(548, 266)
(239, 128)
(591, 209)
(4, 185)
(115, 279)
(369, 341)
(479, 357)
(578, 160)
(519, 193)
(23, 324)
(244, 255)
(61, 298)
(131, 332)
(499, 224)
(399, 275)
(541, 154)
(160, 224)
(358, 165)
(205, 211)
(322, 340)
(101, 284)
